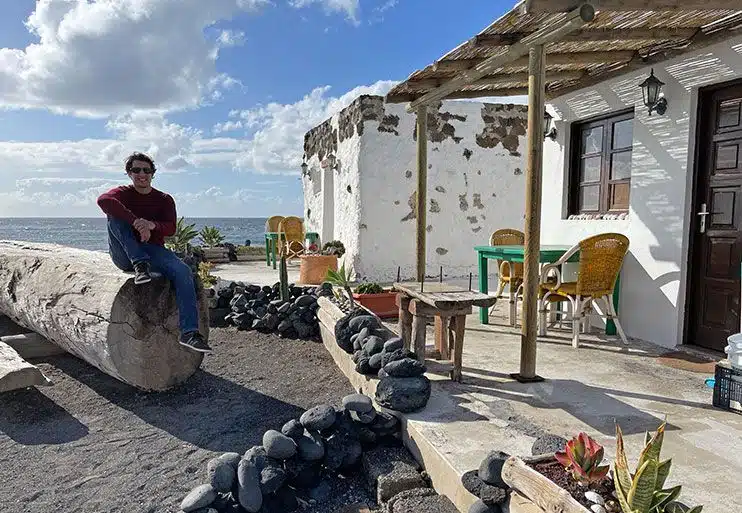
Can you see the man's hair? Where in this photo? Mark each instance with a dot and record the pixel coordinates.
(139, 156)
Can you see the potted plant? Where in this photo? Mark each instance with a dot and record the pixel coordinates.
(575, 481)
(314, 266)
(213, 241)
(377, 299)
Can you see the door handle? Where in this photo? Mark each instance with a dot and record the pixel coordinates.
(703, 213)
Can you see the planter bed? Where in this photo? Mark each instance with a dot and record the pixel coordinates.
(543, 481)
(382, 305)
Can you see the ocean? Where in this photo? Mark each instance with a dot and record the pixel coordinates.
(90, 233)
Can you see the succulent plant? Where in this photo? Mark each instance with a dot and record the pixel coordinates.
(334, 247)
(211, 236)
(643, 491)
(582, 457)
(180, 240)
(369, 288)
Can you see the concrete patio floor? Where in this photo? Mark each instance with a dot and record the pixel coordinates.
(585, 389)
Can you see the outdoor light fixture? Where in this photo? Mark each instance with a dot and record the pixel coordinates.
(304, 168)
(654, 99)
(331, 161)
(550, 130)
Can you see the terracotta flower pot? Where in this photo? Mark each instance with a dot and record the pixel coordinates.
(383, 305)
(313, 268)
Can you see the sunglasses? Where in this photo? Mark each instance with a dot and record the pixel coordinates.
(137, 170)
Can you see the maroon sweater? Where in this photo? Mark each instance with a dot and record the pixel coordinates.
(127, 204)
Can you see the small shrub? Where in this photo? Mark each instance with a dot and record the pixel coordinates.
(370, 288)
(204, 274)
(211, 236)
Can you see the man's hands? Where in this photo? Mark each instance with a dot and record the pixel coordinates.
(144, 227)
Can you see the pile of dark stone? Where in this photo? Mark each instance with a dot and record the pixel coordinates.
(376, 352)
(486, 482)
(293, 465)
(251, 307)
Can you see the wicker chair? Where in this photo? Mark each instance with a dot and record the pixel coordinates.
(601, 258)
(291, 237)
(272, 224)
(510, 274)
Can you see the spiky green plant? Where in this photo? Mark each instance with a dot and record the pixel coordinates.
(342, 279)
(283, 278)
(184, 234)
(211, 236)
(643, 491)
(582, 457)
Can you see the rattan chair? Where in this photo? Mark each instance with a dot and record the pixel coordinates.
(272, 224)
(291, 237)
(601, 258)
(510, 274)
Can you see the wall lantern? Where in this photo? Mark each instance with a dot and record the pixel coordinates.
(654, 99)
(304, 169)
(331, 161)
(550, 130)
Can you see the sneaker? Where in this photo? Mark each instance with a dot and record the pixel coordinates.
(141, 273)
(195, 341)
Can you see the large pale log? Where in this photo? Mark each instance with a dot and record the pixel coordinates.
(80, 301)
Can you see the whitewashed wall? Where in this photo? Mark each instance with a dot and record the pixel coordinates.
(475, 183)
(653, 280)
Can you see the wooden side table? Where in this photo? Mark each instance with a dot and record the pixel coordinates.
(447, 308)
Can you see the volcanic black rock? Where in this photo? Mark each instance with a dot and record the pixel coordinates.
(403, 394)
(318, 418)
(405, 368)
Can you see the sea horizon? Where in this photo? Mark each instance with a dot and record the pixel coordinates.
(91, 233)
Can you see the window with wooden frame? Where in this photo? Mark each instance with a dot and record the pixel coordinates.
(600, 167)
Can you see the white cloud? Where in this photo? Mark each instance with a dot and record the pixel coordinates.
(229, 38)
(351, 8)
(69, 175)
(278, 138)
(114, 56)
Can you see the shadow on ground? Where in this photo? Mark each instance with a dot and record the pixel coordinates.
(29, 417)
(207, 411)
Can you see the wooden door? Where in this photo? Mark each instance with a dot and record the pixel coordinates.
(714, 312)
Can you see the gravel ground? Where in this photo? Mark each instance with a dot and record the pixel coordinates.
(92, 444)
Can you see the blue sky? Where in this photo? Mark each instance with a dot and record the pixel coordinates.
(219, 92)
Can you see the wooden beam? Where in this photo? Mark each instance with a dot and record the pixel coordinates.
(499, 80)
(422, 188)
(535, 6)
(701, 40)
(588, 35)
(546, 35)
(554, 59)
(461, 95)
(532, 252)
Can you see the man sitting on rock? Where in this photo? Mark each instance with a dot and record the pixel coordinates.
(139, 219)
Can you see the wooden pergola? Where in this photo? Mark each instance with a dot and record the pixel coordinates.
(545, 49)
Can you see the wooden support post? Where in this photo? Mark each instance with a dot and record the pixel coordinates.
(405, 319)
(419, 323)
(534, 164)
(459, 328)
(422, 187)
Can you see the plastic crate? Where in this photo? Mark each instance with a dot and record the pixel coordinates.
(728, 388)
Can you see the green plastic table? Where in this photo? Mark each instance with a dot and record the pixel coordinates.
(548, 255)
(271, 242)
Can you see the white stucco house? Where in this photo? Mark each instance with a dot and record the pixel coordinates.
(359, 183)
(670, 181)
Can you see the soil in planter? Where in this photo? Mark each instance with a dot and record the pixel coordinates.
(556, 473)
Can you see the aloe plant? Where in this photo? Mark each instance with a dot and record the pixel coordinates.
(184, 234)
(211, 236)
(643, 491)
(342, 279)
(582, 458)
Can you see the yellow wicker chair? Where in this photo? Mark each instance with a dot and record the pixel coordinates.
(601, 258)
(291, 237)
(510, 274)
(272, 224)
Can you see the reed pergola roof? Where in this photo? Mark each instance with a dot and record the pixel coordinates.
(615, 42)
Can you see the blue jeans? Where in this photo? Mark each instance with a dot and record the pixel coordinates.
(126, 251)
